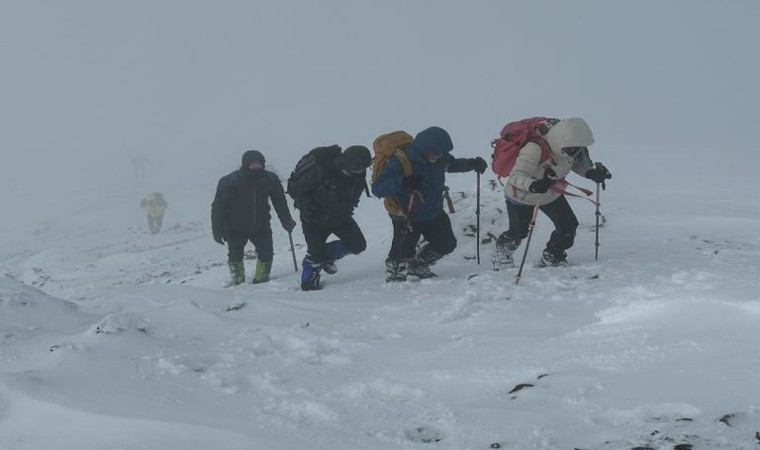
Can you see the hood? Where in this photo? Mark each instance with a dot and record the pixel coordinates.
(251, 156)
(430, 140)
(572, 132)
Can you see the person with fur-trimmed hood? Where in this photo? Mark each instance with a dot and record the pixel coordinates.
(534, 181)
(421, 195)
(240, 213)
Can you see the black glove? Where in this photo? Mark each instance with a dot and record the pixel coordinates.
(542, 185)
(478, 164)
(599, 173)
(219, 238)
(289, 225)
(413, 182)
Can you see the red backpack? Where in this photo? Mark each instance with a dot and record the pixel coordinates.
(512, 138)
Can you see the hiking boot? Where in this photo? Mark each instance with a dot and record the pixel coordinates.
(263, 269)
(552, 259)
(237, 272)
(419, 266)
(419, 269)
(502, 258)
(310, 275)
(330, 267)
(395, 270)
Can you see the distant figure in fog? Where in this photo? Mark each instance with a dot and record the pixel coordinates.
(140, 164)
(155, 205)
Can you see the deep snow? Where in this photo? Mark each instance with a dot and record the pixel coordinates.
(112, 338)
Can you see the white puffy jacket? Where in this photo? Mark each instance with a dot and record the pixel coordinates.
(572, 132)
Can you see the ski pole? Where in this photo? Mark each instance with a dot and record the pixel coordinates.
(477, 225)
(596, 244)
(293, 251)
(527, 242)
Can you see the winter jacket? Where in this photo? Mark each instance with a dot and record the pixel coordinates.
(572, 132)
(327, 196)
(428, 199)
(241, 204)
(154, 204)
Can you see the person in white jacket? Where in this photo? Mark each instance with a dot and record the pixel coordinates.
(536, 181)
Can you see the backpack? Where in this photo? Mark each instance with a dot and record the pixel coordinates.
(513, 137)
(308, 161)
(386, 146)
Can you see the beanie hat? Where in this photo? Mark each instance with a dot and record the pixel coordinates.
(251, 156)
(357, 157)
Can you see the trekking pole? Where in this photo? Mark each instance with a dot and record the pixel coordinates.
(293, 251)
(527, 242)
(596, 249)
(477, 225)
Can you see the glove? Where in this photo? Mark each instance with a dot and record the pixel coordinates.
(599, 173)
(542, 185)
(289, 225)
(413, 182)
(219, 238)
(478, 164)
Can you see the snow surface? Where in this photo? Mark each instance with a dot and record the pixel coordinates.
(112, 338)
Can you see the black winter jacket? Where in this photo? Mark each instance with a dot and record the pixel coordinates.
(326, 196)
(241, 204)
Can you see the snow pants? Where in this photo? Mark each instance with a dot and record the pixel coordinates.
(348, 233)
(558, 211)
(437, 233)
(261, 240)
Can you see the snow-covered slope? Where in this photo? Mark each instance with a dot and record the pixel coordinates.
(112, 338)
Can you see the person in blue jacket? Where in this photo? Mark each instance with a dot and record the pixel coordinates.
(421, 194)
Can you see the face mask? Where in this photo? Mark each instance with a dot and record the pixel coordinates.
(433, 157)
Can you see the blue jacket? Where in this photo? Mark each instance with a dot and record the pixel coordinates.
(428, 201)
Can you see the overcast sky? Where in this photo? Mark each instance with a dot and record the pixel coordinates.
(87, 85)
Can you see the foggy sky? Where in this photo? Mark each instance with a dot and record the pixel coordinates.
(87, 85)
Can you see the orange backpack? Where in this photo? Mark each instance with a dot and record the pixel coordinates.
(386, 146)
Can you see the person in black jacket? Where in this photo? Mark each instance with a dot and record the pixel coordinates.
(326, 189)
(240, 213)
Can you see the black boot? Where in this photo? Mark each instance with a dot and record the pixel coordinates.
(419, 266)
(502, 253)
(553, 258)
(395, 270)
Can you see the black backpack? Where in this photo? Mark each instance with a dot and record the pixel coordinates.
(315, 157)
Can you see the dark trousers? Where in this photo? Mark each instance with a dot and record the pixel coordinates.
(437, 232)
(316, 238)
(154, 223)
(262, 242)
(558, 211)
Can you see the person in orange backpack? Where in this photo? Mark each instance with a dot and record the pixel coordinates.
(419, 189)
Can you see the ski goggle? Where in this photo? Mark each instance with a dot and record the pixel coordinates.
(573, 151)
(350, 172)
